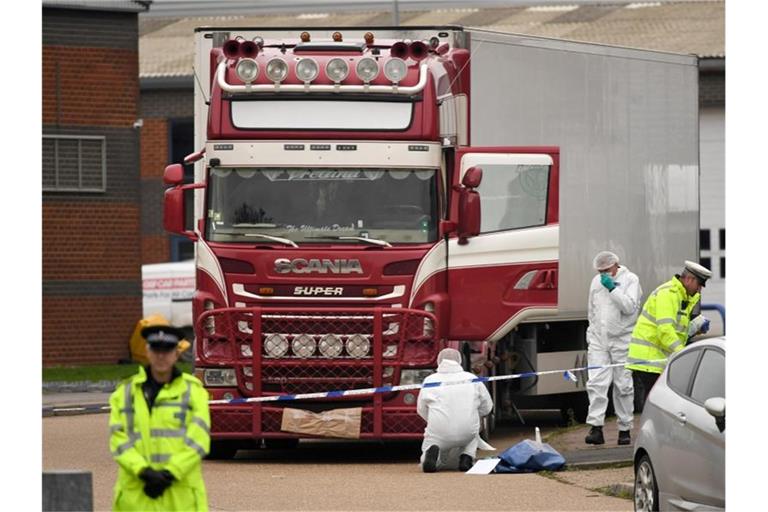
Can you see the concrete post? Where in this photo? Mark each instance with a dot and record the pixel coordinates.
(67, 491)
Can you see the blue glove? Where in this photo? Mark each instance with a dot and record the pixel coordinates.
(705, 326)
(606, 281)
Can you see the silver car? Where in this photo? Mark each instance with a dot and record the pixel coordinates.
(680, 450)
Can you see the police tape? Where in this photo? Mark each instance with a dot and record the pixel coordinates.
(569, 374)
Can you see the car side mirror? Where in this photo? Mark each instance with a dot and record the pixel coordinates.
(715, 406)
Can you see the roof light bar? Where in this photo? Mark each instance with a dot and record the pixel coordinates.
(322, 88)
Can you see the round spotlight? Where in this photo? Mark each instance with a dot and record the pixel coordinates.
(358, 346)
(395, 70)
(330, 345)
(276, 345)
(303, 345)
(247, 70)
(307, 69)
(277, 69)
(367, 69)
(337, 69)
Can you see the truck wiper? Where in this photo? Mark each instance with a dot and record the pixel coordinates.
(272, 238)
(374, 241)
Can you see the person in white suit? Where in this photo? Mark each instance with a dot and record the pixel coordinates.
(452, 414)
(614, 304)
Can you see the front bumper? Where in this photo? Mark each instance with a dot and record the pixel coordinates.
(234, 338)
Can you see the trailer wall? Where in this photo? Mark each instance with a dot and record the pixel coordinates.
(626, 122)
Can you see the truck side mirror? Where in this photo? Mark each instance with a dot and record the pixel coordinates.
(469, 205)
(173, 211)
(472, 177)
(173, 175)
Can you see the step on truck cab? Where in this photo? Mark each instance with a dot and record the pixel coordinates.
(364, 197)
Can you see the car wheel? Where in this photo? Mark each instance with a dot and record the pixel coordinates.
(222, 450)
(646, 489)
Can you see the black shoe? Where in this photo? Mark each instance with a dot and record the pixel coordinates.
(430, 459)
(465, 462)
(624, 437)
(595, 436)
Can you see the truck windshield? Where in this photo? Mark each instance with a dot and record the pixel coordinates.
(320, 205)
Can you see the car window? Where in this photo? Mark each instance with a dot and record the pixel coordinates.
(710, 377)
(680, 370)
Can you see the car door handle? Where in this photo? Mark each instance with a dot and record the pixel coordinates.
(681, 418)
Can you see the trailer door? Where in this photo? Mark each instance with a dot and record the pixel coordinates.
(509, 271)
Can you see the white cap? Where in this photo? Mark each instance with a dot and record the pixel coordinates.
(604, 260)
(701, 272)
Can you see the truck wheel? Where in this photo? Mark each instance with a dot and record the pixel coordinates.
(281, 444)
(223, 449)
(574, 410)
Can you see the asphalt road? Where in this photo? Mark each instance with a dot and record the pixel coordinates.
(327, 475)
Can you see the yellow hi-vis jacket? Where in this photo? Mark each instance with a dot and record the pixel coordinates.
(175, 436)
(662, 327)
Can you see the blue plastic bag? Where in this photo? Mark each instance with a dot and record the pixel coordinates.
(528, 456)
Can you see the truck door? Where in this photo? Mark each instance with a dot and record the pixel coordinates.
(508, 272)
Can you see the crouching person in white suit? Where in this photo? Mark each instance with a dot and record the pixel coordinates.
(452, 414)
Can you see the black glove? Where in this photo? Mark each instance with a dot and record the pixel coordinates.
(156, 481)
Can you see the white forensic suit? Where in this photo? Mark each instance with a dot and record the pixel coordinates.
(612, 316)
(452, 413)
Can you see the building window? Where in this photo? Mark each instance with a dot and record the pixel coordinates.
(182, 248)
(74, 163)
(704, 241)
(722, 239)
(707, 262)
(722, 267)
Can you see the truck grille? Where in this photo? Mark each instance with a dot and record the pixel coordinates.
(292, 351)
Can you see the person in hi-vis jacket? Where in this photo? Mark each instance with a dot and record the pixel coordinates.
(160, 431)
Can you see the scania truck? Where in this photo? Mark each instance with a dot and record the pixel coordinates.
(364, 197)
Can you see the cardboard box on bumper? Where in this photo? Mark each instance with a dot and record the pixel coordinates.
(341, 423)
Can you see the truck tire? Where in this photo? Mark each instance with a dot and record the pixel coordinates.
(574, 410)
(222, 449)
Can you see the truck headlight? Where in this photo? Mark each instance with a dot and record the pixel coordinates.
(367, 69)
(303, 345)
(307, 69)
(395, 70)
(414, 376)
(337, 69)
(247, 70)
(358, 346)
(277, 69)
(219, 377)
(275, 345)
(330, 345)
